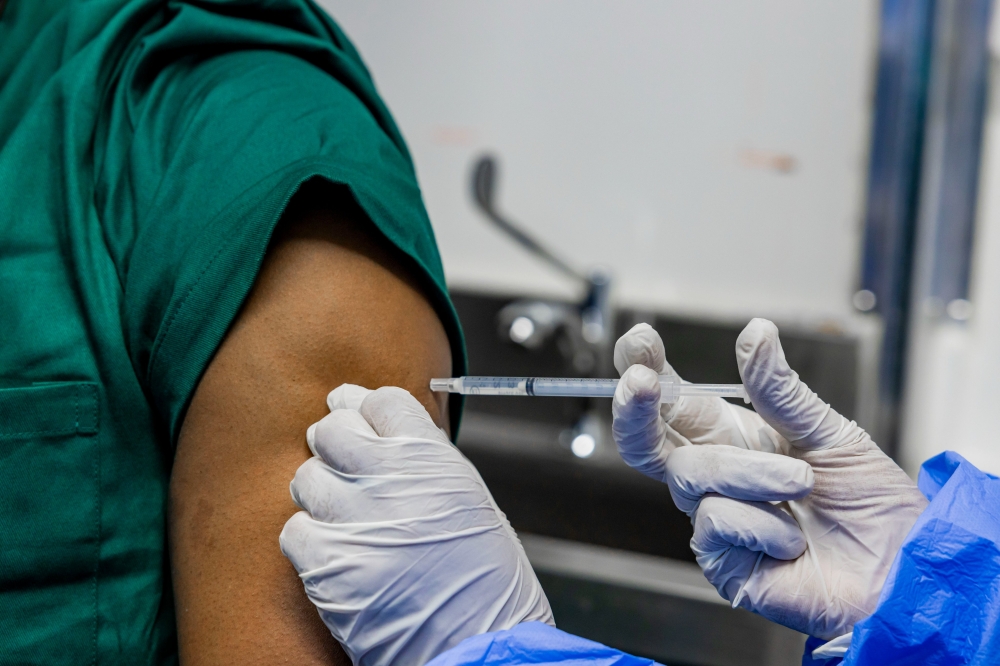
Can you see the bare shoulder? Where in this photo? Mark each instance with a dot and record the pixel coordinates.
(334, 303)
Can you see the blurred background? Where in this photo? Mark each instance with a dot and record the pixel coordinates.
(830, 165)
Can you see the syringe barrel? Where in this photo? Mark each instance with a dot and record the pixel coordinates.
(670, 388)
(572, 386)
(540, 386)
(487, 385)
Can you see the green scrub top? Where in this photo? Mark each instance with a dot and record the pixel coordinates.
(147, 149)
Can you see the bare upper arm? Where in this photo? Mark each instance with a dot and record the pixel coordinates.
(332, 304)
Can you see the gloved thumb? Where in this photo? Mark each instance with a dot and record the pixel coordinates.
(639, 432)
(781, 398)
(393, 412)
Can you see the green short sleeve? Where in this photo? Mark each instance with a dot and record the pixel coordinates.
(219, 118)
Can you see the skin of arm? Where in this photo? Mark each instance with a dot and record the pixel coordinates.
(334, 302)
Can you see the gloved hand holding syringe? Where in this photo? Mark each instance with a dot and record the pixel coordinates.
(671, 388)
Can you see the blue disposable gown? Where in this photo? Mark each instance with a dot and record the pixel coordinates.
(534, 643)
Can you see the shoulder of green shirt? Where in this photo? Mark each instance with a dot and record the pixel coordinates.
(224, 133)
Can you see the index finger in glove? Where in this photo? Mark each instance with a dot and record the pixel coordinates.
(639, 431)
(694, 471)
(782, 399)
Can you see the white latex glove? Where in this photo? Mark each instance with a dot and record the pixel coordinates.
(799, 518)
(400, 546)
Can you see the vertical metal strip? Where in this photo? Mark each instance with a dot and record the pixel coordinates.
(951, 167)
(905, 43)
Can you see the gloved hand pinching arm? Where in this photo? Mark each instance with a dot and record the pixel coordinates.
(400, 545)
(800, 517)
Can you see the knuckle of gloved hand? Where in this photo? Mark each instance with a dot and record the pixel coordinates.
(785, 477)
(684, 503)
(392, 411)
(381, 405)
(685, 469)
(334, 428)
(790, 547)
(711, 507)
(386, 399)
(294, 537)
(771, 529)
(307, 477)
(346, 396)
(709, 519)
(345, 418)
(802, 481)
(351, 446)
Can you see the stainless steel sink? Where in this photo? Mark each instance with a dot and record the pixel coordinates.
(653, 606)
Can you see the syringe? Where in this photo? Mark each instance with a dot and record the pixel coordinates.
(670, 387)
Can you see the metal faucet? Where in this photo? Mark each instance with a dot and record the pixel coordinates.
(586, 326)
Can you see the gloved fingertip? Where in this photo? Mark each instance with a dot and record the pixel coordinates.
(293, 540)
(808, 480)
(640, 345)
(796, 477)
(757, 331)
(643, 383)
(325, 437)
(640, 328)
(311, 438)
(295, 495)
(779, 395)
(790, 547)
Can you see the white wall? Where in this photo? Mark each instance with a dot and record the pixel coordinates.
(642, 135)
